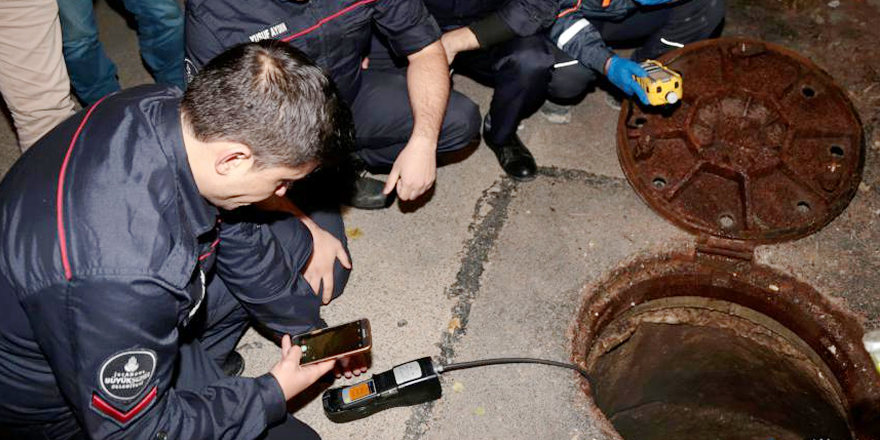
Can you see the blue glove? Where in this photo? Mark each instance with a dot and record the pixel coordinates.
(652, 2)
(620, 73)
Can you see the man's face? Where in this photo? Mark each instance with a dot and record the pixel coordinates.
(255, 185)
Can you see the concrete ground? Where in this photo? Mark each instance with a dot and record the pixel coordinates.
(491, 268)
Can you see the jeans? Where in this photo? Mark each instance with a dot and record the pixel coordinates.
(92, 74)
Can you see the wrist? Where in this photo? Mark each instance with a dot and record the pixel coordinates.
(608, 64)
(422, 141)
(309, 223)
(273, 396)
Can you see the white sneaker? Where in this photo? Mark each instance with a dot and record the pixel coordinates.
(555, 113)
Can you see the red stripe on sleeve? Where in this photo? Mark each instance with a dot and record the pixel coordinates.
(572, 9)
(59, 201)
(324, 20)
(122, 417)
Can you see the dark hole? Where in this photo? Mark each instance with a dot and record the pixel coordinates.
(659, 182)
(803, 207)
(659, 89)
(808, 92)
(836, 151)
(677, 380)
(640, 121)
(676, 84)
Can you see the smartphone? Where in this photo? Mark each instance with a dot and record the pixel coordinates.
(334, 342)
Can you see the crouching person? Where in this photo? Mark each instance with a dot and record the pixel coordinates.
(131, 262)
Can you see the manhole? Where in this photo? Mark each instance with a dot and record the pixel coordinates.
(679, 348)
(763, 147)
(708, 344)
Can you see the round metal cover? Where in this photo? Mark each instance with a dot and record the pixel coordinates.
(763, 146)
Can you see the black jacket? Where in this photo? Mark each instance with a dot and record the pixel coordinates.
(575, 35)
(105, 251)
(334, 33)
(494, 21)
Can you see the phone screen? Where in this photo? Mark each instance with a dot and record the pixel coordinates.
(333, 341)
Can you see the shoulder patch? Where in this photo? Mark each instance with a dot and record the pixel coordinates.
(125, 375)
(122, 378)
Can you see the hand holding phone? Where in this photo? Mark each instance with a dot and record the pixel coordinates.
(336, 342)
(291, 375)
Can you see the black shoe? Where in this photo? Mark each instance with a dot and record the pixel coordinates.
(514, 157)
(233, 365)
(366, 193)
(360, 191)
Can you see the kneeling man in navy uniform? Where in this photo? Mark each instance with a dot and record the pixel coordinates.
(131, 260)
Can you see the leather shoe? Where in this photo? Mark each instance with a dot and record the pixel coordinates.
(361, 191)
(514, 157)
(366, 193)
(233, 365)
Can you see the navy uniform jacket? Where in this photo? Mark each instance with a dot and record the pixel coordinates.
(334, 33)
(105, 250)
(576, 36)
(493, 21)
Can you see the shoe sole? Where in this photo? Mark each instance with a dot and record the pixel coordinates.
(523, 179)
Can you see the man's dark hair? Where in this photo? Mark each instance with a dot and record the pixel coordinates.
(272, 98)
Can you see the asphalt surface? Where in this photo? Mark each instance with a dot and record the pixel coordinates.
(488, 267)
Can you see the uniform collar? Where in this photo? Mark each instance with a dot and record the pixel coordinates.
(200, 215)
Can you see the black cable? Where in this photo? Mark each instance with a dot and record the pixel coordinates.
(497, 361)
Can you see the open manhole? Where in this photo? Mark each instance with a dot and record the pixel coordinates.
(681, 347)
(707, 344)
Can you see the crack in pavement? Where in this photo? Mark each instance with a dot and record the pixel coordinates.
(485, 227)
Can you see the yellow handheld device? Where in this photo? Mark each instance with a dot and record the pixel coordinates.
(663, 85)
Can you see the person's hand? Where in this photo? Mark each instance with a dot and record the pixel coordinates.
(458, 40)
(293, 377)
(652, 2)
(326, 249)
(414, 170)
(620, 72)
(351, 366)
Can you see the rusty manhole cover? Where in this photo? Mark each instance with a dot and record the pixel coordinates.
(764, 146)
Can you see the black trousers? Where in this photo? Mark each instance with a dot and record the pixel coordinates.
(519, 71)
(383, 118)
(685, 21)
(225, 321)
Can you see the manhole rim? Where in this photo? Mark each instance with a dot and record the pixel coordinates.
(839, 328)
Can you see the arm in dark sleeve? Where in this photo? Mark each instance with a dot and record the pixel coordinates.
(406, 24)
(577, 37)
(113, 344)
(517, 18)
(201, 43)
(260, 258)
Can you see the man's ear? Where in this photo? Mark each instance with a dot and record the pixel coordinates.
(233, 158)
